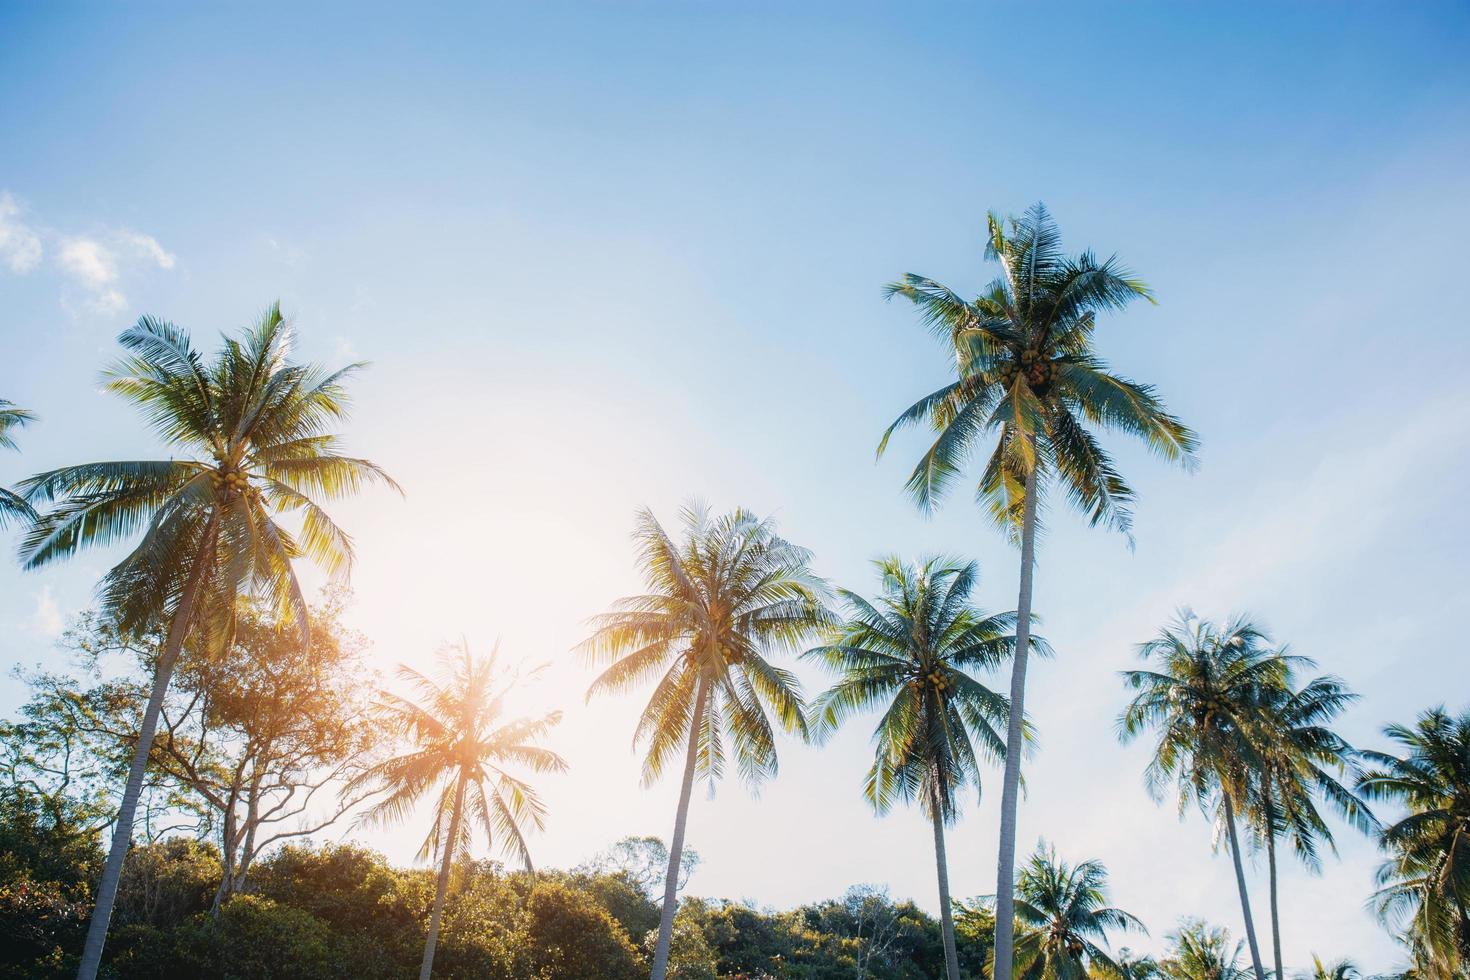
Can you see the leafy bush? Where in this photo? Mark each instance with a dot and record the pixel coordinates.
(253, 938)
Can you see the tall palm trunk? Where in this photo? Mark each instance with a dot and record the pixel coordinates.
(441, 887)
(1271, 863)
(946, 917)
(1005, 878)
(122, 833)
(1245, 900)
(676, 847)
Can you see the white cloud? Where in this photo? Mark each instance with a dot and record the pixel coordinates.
(89, 261)
(95, 264)
(148, 247)
(20, 246)
(46, 619)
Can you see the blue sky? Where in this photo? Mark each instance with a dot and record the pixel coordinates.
(612, 255)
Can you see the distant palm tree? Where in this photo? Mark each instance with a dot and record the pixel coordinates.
(1197, 952)
(13, 505)
(1302, 759)
(720, 601)
(249, 440)
(1205, 692)
(913, 652)
(461, 748)
(1426, 879)
(1065, 919)
(1029, 373)
(1336, 970)
(1128, 965)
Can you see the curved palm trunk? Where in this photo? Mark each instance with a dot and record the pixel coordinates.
(1271, 863)
(946, 917)
(676, 847)
(1245, 901)
(1005, 878)
(442, 886)
(122, 833)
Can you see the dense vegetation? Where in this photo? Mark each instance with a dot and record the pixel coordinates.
(215, 721)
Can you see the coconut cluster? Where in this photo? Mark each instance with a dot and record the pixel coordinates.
(933, 677)
(1034, 366)
(231, 483)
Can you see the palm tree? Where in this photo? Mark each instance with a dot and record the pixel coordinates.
(1336, 970)
(13, 504)
(1128, 965)
(461, 746)
(720, 601)
(912, 651)
(249, 440)
(1028, 372)
(1426, 880)
(1065, 919)
(1297, 764)
(1204, 692)
(1197, 952)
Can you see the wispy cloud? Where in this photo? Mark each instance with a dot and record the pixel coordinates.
(20, 245)
(94, 264)
(147, 246)
(46, 619)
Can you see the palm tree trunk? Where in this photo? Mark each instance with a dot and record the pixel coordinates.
(1271, 863)
(1245, 901)
(1005, 878)
(946, 917)
(122, 832)
(676, 847)
(442, 886)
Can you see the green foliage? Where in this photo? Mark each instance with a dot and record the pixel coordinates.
(568, 936)
(913, 653)
(1425, 883)
(1302, 760)
(49, 857)
(863, 934)
(12, 505)
(250, 440)
(164, 883)
(376, 911)
(691, 957)
(721, 600)
(1065, 919)
(1199, 952)
(1029, 374)
(1204, 690)
(626, 900)
(253, 938)
(456, 734)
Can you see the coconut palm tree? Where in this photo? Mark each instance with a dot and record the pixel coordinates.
(1028, 374)
(720, 601)
(1336, 970)
(1301, 761)
(249, 440)
(913, 651)
(461, 750)
(1128, 965)
(1205, 693)
(1065, 919)
(1425, 883)
(1198, 952)
(12, 505)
